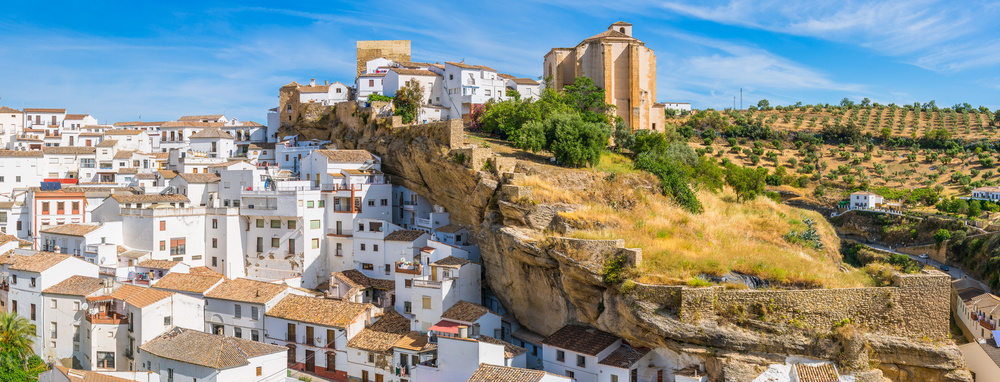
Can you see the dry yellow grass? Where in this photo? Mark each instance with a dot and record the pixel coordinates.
(677, 245)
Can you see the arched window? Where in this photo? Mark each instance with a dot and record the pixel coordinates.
(622, 29)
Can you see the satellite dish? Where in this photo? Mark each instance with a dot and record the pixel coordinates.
(103, 259)
(86, 306)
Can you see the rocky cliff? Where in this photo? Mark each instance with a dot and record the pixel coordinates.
(547, 282)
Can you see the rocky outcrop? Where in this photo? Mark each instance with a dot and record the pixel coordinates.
(547, 282)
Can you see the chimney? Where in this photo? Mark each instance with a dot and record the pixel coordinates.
(326, 82)
(463, 331)
(312, 82)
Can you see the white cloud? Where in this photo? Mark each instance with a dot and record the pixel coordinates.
(933, 34)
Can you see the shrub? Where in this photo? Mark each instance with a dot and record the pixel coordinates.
(576, 143)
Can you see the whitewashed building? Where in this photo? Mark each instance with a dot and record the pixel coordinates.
(866, 200)
(236, 307)
(188, 355)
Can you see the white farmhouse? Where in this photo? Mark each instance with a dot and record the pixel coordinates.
(467, 86)
(527, 88)
(574, 351)
(316, 331)
(986, 193)
(866, 200)
(187, 355)
(368, 84)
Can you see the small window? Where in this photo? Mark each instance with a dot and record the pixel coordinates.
(163, 225)
(581, 361)
(238, 313)
(371, 203)
(215, 243)
(259, 371)
(291, 224)
(310, 204)
(367, 267)
(253, 312)
(215, 223)
(167, 320)
(362, 246)
(54, 304)
(426, 302)
(322, 203)
(560, 356)
(315, 243)
(260, 223)
(385, 202)
(275, 223)
(314, 224)
(407, 283)
(275, 242)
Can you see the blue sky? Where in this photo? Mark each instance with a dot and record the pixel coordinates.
(161, 60)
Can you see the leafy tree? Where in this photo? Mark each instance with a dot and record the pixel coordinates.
(996, 118)
(379, 97)
(624, 136)
(674, 180)
(584, 96)
(846, 103)
(763, 105)
(17, 359)
(747, 182)
(975, 209)
(940, 236)
(530, 137)
(409, 101)
(573, 141)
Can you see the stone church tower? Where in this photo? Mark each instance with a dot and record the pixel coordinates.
(618, 63)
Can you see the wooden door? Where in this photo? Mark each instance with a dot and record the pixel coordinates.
(291, 333)
(310, 361)
(364, 375)
(331, 361)
(310, 340)
(378, 377)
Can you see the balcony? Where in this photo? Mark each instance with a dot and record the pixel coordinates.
(987, 324)
(128, 354)
(340, 187)
(107, 318)
(409, 268)
(409, 206)
(426, 223)
(426, 284)
(108, 271)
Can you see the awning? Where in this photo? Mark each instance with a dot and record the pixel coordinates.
(445, 326)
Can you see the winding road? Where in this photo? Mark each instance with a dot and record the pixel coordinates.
(954, 272)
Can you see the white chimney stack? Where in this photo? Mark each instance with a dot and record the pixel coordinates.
(463, 331)
(312, 82)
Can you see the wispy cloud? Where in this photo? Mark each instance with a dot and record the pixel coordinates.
(933, 34)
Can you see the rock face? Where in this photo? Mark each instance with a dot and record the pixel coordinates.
(547, 282)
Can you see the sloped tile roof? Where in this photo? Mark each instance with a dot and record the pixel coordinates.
(381, 336)
(610, 34)
(412, 341)
(204, 271)
(451, 262)
(150, 198)
(209, 350)
(406, 235)
(356, 279)
(524, 81)
(147, 297)
(72, 229)
(108, 143)
(624, 357)
(350, 156)
(200, 117)
(818, 373)
(20, 153)
(184, 282)
(212, 132)
(74, 375)
(158, 264)
(495, 373)
(44, 110)
(318, 311)
(193, 124)
(581, 339)
(69, 150)
(465, 311)
(124, 154)
(200, 178)
(38, 262)
(123, 132)
(414, 72)
(126, 291)
(246, 290)
(76, 286)
(450, 228)
(509, 350)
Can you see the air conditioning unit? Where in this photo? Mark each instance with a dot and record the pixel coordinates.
(250, 206)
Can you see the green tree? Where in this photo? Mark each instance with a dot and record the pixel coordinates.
(529, 137)
(17, 359)
(764, 105)
(576, 143)
(940, 236)
(996, 118)
(674, 181)
(747, 182)
(409, 100)
(975, 209)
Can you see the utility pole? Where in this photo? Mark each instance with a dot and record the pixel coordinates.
(734, 102)
(741, 98)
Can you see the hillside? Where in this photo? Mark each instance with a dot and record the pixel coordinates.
(840, 150)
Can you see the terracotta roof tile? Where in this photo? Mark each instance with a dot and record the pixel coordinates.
(74, 375)
(381, 336)
(451, 262)
(126, 291)
(39, 261)
(150, 198)
(246, 290)
(465, 311)
(69, 150)
(193, 124)
(147, 297)
(610, 34)
(72, 229)
(581, 339)
(818, 373)
(414, 72)
(200, 178)
(356, 279)
(168, 174)
(188, 118)
(350, 156)
(209, 350)
(212, 132)
(495, 373)
(318, 311)
(412, 341)
(524, 81)
(123, 132)
(124, 154)
(509, 350)
(406, 235)
(43, 110)
(76, 286)
(624, 357)
(20, 153)
(158, 264)
(204, 271)
(108, 143)
(450, 228)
